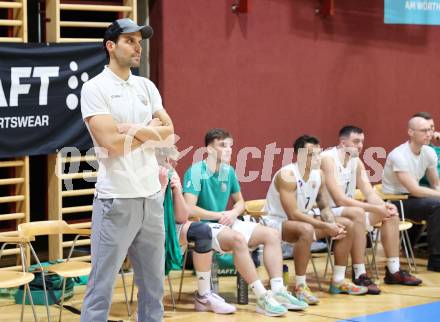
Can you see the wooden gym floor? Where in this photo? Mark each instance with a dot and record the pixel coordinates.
(331, 307)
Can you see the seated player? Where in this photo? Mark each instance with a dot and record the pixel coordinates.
(191, 231)
(344, 172)
(294, 191)
(208, 186)
(405, 166)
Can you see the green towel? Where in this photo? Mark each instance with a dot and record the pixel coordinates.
(173, 255)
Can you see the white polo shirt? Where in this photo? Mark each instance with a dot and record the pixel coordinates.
(135, 174)
(404, 160)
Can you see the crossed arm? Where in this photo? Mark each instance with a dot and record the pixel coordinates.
(120, 139)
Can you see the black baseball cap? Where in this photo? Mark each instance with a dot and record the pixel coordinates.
(124, 26)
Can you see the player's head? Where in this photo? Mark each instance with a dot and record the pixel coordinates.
(219, 144)
(122, 41)
(427, 116)
(351, 138)
(307, 150)
(419, 130)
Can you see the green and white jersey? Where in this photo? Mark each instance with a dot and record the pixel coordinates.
(213, 189)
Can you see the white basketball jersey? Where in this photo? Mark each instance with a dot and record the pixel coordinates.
(345, 176)
(306, 193)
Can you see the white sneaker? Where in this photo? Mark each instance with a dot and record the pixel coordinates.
(212, 302)
(284, 297)
(267, 305)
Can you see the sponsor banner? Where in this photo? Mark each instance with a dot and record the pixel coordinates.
(40, 86)
(416, 12)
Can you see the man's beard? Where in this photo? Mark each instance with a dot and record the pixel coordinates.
(135, 63)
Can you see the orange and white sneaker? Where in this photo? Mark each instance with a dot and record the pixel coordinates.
(346, 287)
(303, 293)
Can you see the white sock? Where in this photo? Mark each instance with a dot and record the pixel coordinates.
(258, 288)
(300, 280)
(276, 284)
(359, 269)
(393, 264)
(203, 282)
(338, 274)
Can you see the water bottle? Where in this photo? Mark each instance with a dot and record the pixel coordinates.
(285, 275)
(242, 290)
(214, 276)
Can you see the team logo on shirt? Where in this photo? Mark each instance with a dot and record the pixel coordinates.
(188, 184)
(313, 184)
(143, 99)
(223, 187)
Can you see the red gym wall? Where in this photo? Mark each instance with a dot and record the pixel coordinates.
(280, 71)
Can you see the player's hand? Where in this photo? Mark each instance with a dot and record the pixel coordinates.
(124, 128)
(155, 122)
(382, 211)
(392, 209)
(163, 177)
(386, 211)
(176, 184)
(227, 218)
(335, 230)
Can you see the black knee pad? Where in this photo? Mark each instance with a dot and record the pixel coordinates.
(201, 235)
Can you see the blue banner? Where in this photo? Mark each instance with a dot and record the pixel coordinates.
(415, 12)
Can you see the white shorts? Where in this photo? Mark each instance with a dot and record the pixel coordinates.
(337, 211)
(277, 224)
(246, 228)
(274, 222)
(179, 230)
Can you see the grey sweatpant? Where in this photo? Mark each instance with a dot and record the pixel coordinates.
(120, 226)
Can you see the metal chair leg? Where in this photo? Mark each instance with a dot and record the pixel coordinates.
(29, 294)
(405, 247)
(182, 273)
(125, 292)
(26, 288)
(374, 270)
(171, 292)
(369, 265)
(44, 282)
(45, 295)
(132, 290)
(376, 241)
(23, 299)
(316, 273)
(411, 250)
(329, 256)
(62, 300)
